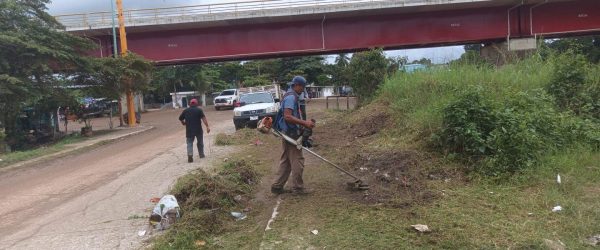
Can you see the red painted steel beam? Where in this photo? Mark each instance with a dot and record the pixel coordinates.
(406, 30)
(556, 19)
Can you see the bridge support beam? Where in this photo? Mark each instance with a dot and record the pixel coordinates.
(506, 52)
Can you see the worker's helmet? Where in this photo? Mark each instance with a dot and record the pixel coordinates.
(194, 102)
(299, 80)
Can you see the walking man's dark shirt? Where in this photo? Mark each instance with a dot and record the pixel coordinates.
(193, 121)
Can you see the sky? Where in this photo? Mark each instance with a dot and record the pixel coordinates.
(59, 7)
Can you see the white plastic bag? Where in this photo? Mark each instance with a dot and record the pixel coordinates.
(167, 209)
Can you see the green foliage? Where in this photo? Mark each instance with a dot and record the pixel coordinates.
(367, 71)
(589, 46)
(115, 76)
(36, 57)
(467, 123)
(568, 80)
(501, 121)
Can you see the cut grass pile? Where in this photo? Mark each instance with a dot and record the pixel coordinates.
(241, 137)
(206, 201)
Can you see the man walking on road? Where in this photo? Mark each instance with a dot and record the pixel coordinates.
(190, 118)
(289, 122)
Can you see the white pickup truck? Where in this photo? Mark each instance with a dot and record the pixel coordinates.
(256, 104)
(227, 99)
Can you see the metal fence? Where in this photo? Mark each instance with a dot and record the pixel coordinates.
(223, 11)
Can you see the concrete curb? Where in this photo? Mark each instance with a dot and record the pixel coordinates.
(69, 151)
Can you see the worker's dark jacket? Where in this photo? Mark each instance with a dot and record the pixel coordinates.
(193, 121)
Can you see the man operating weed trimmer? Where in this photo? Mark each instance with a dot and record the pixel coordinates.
(289, 122)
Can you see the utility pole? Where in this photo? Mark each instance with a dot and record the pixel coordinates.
(123, 38)
(115, 55)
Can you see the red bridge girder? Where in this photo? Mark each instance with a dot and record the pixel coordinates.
(324, 35)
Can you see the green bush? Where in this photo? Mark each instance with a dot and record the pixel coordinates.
(568, 81)
(512, 135)
(367, 71)
(467, 123)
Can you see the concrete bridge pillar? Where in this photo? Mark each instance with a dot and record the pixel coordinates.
(506, 52)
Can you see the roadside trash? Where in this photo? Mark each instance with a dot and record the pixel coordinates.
(165, 213)
(200, 243)
(141, 233)
(248, 209)
(556, 209)
(558, 178)
(226, 159)
(530, 214)
(554, 245)
(0, 159)
(593, 240)
(238, 215)
(376, 171)
(155, 200)
(421, 228)
(258, 142)
(315, 232)
(491, 192)
(363, 169)
(237, 198)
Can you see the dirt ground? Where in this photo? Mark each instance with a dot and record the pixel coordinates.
(98, 199)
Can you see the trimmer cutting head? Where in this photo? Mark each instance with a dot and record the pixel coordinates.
(358, 185)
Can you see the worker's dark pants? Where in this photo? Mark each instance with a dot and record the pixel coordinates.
(292, 161)
(190, 145)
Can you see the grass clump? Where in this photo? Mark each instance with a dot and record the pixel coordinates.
(500, 121)
(242, 136)
(18, 156)
(206, 200)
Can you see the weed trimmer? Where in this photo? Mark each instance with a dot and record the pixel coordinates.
(265, 126)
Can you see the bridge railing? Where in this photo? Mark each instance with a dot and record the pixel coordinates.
(199, 13)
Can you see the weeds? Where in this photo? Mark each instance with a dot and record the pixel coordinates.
(205, 200)
(501, 121)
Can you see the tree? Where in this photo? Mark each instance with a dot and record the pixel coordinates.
(424, 61)
(367, 71)
(34, 54)
(117, 75)
(339, 72)
(588, 46)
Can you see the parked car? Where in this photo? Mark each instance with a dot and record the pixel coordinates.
(254, 107)
(227, 99)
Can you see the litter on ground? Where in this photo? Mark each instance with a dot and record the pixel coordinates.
(315, 232)
(556, 209)
(593, 240)
(165, 213)
(238, 215)
(421, 228)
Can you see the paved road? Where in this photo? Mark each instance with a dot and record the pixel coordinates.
(92, 200)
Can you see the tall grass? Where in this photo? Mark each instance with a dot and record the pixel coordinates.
(418, 98)
(503, 118)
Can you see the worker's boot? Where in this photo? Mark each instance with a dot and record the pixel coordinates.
(279, 190)
(301, 191)
(190, 158)
(202, 156)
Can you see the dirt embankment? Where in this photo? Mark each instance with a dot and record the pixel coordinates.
(397, 176)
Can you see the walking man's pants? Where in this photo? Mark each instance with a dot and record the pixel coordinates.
(292, 161)
(190, 145)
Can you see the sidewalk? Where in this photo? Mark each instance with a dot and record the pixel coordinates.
(118, 133)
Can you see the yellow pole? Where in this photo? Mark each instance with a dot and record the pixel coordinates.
(123, 38)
